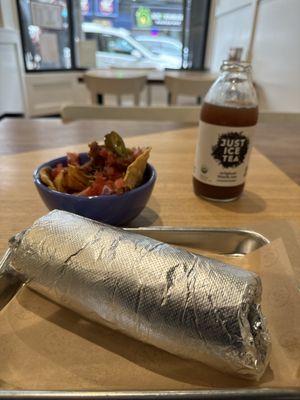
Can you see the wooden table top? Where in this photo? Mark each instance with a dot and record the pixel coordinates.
(269, 194)
(279, 142)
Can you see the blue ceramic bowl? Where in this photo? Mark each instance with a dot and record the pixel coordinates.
(110, 209)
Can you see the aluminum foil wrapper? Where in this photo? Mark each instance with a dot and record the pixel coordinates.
(186, 304)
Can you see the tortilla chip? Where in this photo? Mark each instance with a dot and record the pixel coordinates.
(76, 179)
(45, 177)
(59, 181)
(135, 171)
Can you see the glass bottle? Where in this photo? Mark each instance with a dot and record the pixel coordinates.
(227, 122)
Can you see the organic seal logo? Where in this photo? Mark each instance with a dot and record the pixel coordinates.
(204, 169)
(231, 149)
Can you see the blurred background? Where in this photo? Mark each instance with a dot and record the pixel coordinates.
(46, 45)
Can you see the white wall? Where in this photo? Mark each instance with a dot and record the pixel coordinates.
(275, 51)
(232, 28)
(34, 94)
(12, 93)
(8, 11)
(47, 92)
(276, 54)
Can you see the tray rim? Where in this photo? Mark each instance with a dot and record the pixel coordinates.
(260, 239)
(262, 393)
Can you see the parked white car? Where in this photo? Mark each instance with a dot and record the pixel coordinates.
(161, 45)
(116, 47)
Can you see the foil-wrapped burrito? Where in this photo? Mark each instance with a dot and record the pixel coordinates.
(189, 305)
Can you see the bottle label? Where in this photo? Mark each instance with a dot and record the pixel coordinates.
(222, 154)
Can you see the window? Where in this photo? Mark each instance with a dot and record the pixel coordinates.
(71, 34)
(45, 34)
(127, 25)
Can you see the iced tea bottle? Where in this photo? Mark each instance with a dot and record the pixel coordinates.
(227, 122)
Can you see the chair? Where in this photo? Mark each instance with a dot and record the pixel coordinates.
(143, 70)
(114, 85)
(191, 86)
(135, 69)
(177, 114)
(191, 114)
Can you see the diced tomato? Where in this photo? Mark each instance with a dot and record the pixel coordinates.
(119, 183)
(99, 176)
(86, 192)
(111, 158)
(103, 153)
(112, 172)
(95, 189)
(109, 171)
(98, 184)
(105, 168)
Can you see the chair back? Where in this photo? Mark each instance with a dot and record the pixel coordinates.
(115, 85)
(73, 112)
(278, 117)
(177, 114)
(191, 86)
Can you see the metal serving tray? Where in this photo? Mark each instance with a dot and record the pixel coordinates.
(228, 394)
(226, 241)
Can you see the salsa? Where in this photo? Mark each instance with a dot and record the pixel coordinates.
(112, 168)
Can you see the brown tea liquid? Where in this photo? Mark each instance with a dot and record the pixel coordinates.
(231, 117)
